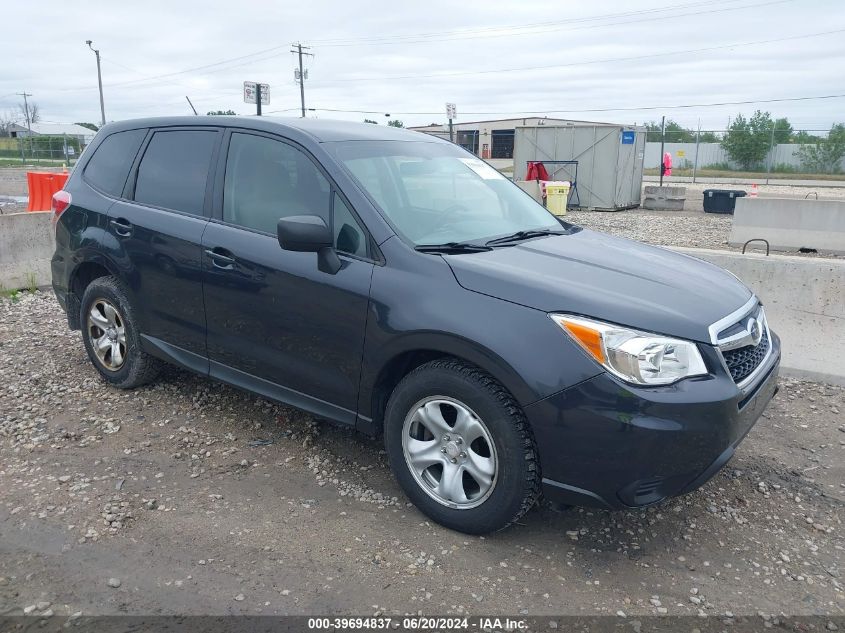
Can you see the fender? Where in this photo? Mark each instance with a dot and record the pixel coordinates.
(83, 257)
(533, 358)
(429, 344)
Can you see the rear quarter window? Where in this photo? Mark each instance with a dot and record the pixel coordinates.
(108, 168)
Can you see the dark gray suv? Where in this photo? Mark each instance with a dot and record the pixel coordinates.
(393, 282)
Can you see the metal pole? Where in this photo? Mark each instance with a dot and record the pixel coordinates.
(26, 94)
(191, 104)
(257, 98)
(451, 132)
(662, 141)
(298, 50)
(100, 86)
(301, 81)
(771, 153)
(99, 83)
(695, 162)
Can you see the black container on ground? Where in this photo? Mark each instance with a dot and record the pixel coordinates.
(721, 200)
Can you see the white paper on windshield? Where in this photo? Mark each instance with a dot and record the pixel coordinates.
(481, 168)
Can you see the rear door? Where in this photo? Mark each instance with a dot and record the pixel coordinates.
(277, 324)
(158, 227)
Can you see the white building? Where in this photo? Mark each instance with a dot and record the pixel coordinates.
(82, 134)
(486, 139)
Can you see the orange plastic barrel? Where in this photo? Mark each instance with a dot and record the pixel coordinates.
(42, 185)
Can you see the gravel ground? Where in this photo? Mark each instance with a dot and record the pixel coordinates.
(664, 228)
(187, 496)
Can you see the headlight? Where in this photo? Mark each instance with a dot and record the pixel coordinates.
(636, 357)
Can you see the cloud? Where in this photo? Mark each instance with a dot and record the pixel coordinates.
(362, 49)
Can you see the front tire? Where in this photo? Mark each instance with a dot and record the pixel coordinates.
(461, 448)
(111, 337)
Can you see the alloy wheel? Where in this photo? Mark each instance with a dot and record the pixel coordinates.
(107, 334)
(450, 452)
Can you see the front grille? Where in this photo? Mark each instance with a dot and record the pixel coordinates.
(744, 360)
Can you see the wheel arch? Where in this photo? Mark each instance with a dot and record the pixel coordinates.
(396, 363)
(83, 274)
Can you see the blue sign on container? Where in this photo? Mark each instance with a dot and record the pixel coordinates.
(627, 137)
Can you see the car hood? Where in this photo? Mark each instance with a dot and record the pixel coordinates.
(608, 278)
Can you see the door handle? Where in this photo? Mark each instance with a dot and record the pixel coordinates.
(121, 227)
(219, 259)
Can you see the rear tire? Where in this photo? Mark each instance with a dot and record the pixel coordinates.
(111, 337)
(461, 448)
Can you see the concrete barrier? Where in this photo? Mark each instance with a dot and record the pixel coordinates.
(26, 246)
(664, 198)
(790, 224)
(804, 299)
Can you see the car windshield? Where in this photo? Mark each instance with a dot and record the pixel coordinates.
(437, 193)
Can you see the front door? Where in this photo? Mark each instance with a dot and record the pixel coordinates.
(276, 324)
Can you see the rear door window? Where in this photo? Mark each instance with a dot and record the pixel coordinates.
(174, 170)
(109, 166)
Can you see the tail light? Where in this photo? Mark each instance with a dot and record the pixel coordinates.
(61, 201)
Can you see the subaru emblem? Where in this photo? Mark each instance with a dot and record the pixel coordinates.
(755, 329)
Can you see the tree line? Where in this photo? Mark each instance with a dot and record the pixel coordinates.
(748, 139)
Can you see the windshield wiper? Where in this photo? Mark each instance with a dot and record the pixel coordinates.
(524, 235)
(452, 247)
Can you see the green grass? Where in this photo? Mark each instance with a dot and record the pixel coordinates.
(15, 293)
(31, 282)
(12, 295)
(750, 175)
(12, 162)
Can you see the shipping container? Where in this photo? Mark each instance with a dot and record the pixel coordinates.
(603, 161)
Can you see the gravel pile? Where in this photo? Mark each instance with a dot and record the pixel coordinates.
(698, 230)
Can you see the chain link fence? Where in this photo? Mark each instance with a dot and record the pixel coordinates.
(797, 154)
(48, 151)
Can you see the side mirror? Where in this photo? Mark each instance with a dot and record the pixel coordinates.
(309, 234)
(303, 233)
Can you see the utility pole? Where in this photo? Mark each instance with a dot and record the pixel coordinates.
(771, 154)
(697, 141)
(99, 82)
(297, 48)
(662, 140)
(26, 94)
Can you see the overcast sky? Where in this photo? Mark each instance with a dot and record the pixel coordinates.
(408, 58)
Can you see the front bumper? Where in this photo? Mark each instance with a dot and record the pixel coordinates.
(607, 444)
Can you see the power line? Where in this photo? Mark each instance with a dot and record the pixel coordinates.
(587, 62)
(539, 28)
(277, 50)
(329, 42)
(594, 110)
